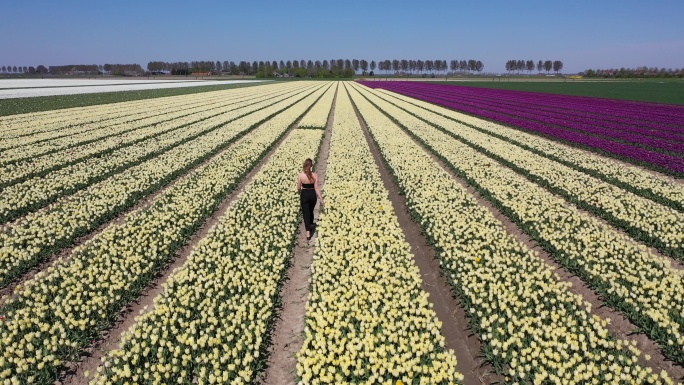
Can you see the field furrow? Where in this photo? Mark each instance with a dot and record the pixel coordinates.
(38, 123)
(8, 142)
(222, 301)
(644, 220)
(59, 311)
(32, 238)
(644, 286)
(25, 152)
(318, 116)
(367, 317)
(19, 199)
(17, 172)
(533, 329)
(657, 187)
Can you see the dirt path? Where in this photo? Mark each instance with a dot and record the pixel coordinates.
(619, 326)
(74, 374)
(288, 330)
(465, 344)
(143, 203)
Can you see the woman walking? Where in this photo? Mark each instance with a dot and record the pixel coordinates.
(307, 187)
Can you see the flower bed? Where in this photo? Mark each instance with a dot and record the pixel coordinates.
(367, 318)
(211, 322)
(654, 186)
(532, 328)
(630, 278)
(57, 313)
(579, 134)
(643, 219)
(29, 240)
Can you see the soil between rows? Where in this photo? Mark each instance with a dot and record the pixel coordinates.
(287, 335)
(458, 337)
(619, 325)
(75, 374)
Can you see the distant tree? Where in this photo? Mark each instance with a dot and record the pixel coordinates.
(218, 67)
(41, 69)
(420, 65)
(530, 66)
(472, 65)
(429, 65)
(363, 64)
(372, 65)
(404, 65)
(548, 65)
(32, 70)
(479, 66)
(540, 66)
(4, 69)
(356, 65)
(557, 66)
(309, 68)
(14, 69)
(325, 65)
(347, 64)
(453, 65)
(244, 67)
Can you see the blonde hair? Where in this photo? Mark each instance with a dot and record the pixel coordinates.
(308, 163)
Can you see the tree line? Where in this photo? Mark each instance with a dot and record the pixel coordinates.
(639, 72)
(76, 69)
(317, 68)
(529, 66)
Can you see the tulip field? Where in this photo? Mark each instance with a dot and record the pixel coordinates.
(526, 202)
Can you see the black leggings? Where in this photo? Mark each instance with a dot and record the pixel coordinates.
(308, 201)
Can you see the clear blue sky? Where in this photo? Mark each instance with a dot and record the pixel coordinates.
(583, 34)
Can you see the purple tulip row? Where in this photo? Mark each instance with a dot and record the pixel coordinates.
(616, 123)
(673, 143)
(538, 124)
(656, 139)
(651, 115)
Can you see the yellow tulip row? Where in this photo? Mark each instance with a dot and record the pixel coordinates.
(318, 116)
(51, 317)
(28, 240)
(36, 192)
(28, 137)
(644, 219)
(37, 123)
(648, 183)
(38, 166)
(644, 286)
(62, 143)
(211, 322)
(32, 123)
(111, 131)
(532, 328)
(367, 318)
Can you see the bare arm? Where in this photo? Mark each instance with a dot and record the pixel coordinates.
(299, 185)
(318, 189)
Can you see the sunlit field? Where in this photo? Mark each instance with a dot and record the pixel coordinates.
(469, 235)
